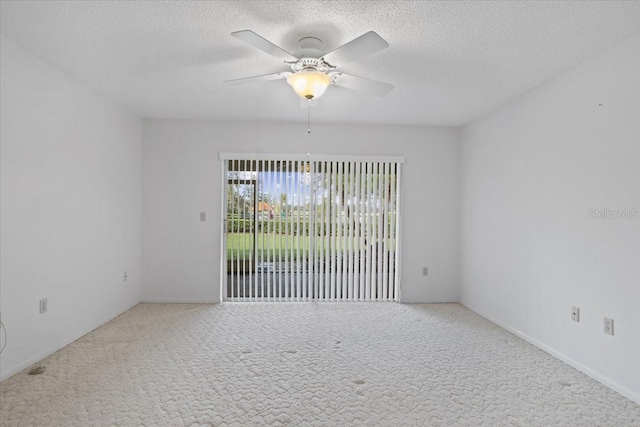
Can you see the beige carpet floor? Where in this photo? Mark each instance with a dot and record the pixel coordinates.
(307, 364)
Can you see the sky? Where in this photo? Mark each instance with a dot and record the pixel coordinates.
(296, 185)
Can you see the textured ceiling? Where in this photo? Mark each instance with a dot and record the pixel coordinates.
(450, 62)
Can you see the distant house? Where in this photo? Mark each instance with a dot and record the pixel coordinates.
(264, 207)
(265, 210)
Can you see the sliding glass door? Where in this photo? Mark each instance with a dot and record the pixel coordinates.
(315, 230)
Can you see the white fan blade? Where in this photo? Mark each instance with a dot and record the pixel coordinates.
(256, 79)
(304, 103)
(360, 83)
(263, 44)
(364, 45)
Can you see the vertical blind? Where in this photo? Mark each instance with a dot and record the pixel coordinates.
(311, 230)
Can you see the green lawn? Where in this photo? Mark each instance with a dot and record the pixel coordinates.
(274, 246)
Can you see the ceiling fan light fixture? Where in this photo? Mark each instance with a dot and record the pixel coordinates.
(309, 83)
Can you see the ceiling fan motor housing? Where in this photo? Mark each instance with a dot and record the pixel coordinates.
(316, 64)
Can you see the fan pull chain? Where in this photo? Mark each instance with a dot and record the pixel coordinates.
(308, 116)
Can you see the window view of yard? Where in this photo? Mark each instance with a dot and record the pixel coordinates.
(318, 230)
(275, 247)
(281, 211)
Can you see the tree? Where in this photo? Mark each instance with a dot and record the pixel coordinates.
(239, 196)
(283, 203)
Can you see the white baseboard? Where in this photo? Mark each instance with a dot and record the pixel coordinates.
(179, 301)
(585, 370)
(35, 359)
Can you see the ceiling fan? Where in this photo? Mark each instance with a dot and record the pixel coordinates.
(313, 72)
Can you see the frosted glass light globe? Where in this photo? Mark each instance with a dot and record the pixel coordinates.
(309, 84)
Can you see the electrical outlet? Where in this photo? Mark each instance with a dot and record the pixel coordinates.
(608, 326)
(43, 305)
(425, 271)
(203, 216)
(575, 314)
(124, 277)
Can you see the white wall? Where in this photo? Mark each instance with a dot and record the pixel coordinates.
(531, 171)
(70, 208)
(182, 177)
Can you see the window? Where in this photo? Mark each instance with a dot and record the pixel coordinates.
(311, 229)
